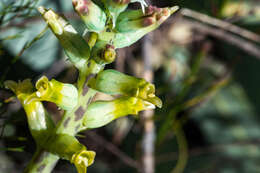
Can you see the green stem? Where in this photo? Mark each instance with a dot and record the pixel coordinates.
(42, 162)
(183, 150)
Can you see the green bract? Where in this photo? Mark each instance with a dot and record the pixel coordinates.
(108, 26)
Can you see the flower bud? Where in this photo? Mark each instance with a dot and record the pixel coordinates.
(109, 54)
(133, 24)
(91, 14)
(114, 82)
(100, 113)
(103, 53)
(39, 121)
(74, 45)
(64, 95)
(68, 147)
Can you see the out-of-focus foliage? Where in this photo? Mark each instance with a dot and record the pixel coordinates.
(208, 86)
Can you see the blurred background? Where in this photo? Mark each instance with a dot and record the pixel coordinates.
(204, 61)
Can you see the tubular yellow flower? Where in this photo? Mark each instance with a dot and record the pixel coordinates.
(114, 82)
(68, 147)
(100, 113)
(64, 95)
(39, 121)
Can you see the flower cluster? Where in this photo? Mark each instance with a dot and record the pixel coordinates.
(109, 26)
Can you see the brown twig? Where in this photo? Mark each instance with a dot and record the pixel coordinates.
(149, 126)
(241, 43)
(220, 24)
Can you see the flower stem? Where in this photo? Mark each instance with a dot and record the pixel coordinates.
(42, 162)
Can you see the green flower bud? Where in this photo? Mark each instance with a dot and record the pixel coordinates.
(114, 82)
(133, 24)
(68, 147)
(115, 7)
(64, 95)
(91, 14)
(74, 45)
(109, 54)
(103, 53)
(100, 113)
(39, 121)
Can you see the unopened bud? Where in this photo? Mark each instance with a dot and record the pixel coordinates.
(109, 54)
(74, 45)
(93, 16)
(132, 25)
(103, 53)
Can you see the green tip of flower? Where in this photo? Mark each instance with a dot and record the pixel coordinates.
(21, 87)
(155, 100)
(41, 9)
(12, 85)
(174, 9)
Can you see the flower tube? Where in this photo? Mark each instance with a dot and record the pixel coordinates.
(40, 123)
(100, 113)
(64, 95)
(114, 82)
(68, 147)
